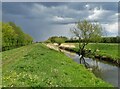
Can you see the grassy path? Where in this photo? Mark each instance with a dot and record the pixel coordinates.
(38, 66)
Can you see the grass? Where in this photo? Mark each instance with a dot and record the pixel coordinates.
(38, 66)
(105, 49)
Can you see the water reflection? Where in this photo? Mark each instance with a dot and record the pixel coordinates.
(103, 70)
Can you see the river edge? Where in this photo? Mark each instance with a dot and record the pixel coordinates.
(71, 50)
(99, 68)
(100, 57)
(52, 46)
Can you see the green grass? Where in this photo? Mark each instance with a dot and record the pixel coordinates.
(38, 66)
(105, 49)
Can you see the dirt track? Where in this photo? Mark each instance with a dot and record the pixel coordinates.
(56, 47)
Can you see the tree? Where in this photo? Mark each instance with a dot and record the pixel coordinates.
(18, 30)
(57, 39)
(13, 36)
(8, 36)
(87, 31)
(0, 36)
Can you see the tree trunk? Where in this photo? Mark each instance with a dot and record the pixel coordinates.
(82, 59)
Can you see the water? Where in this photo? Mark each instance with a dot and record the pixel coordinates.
(103, 70)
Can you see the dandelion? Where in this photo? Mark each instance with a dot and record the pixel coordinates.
(56, 85)
(97, 50)
(12, 85)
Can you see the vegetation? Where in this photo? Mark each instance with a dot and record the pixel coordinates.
(56, 39)
(87, 31)
(0, 36)
(110, 39)
(43, 67)
(13, 36)
(103, 40)
(104, 50)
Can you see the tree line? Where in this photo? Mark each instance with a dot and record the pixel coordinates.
(57, 39)
(13, 36)
(62, 39)
(101, 40)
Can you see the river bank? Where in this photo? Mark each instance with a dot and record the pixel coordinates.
(99, 55)
(101, 69)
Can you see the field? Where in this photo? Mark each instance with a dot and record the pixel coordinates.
(105, 49)
(38, 66)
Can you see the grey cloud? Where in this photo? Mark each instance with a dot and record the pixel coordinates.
(16, 8)
(38, 19)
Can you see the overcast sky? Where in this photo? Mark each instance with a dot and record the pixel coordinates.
(44, 19)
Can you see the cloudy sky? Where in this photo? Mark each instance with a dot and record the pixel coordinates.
(44, 19)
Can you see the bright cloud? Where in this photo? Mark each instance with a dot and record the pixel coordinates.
(87, 6)
(111, 28)
(57, 18)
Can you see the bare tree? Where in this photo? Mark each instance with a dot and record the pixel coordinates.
(86, 31)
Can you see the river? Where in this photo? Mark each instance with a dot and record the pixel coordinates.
(103, 70)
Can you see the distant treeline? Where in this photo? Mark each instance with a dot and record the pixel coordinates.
(13, 36)
(62, 39)
(102, 40)
(57, 39)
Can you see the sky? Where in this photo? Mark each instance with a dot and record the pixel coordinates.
(45, 19)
